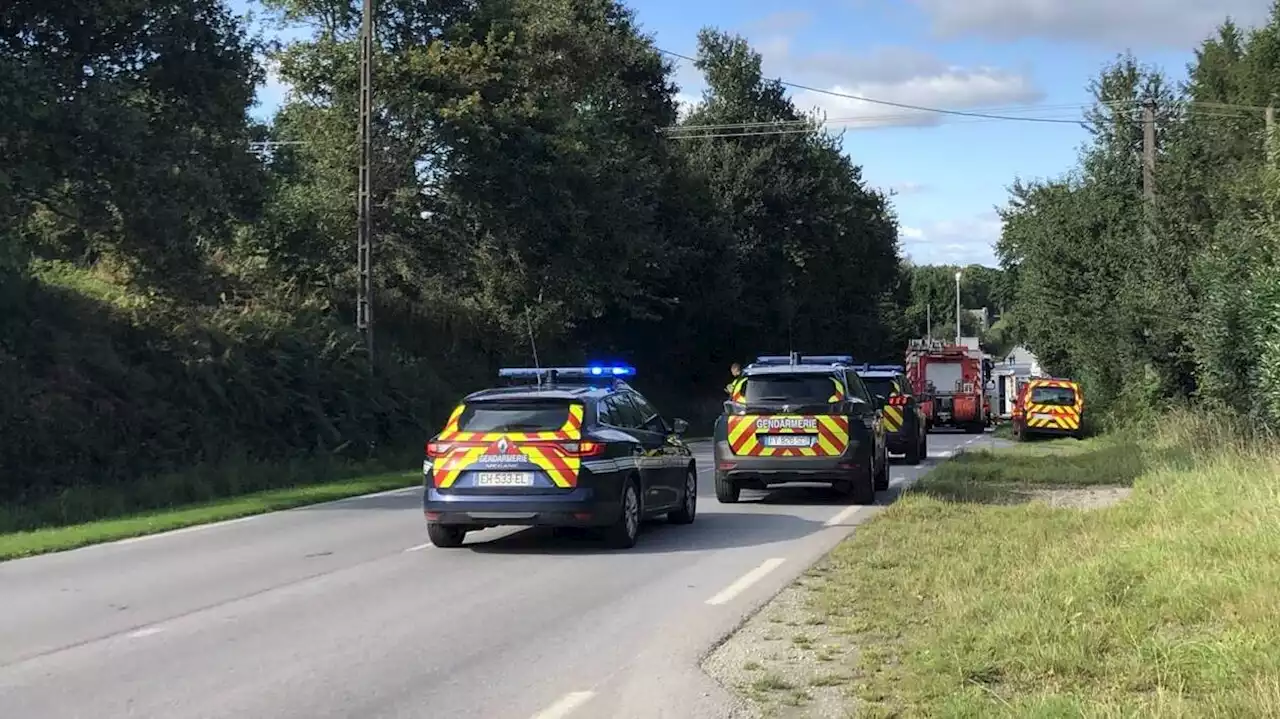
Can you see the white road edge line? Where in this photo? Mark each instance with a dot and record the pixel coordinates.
(419, 547)
(237, 520)
(145, 632)
(565, 705)
(842, 515)
(745, 581)
(180, 530)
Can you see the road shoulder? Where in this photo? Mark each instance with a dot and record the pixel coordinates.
(822, 646)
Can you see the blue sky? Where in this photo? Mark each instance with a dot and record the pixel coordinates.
(1026, 58)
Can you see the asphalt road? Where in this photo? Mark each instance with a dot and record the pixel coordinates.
(344, 610)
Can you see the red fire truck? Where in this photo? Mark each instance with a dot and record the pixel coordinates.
(950, 382)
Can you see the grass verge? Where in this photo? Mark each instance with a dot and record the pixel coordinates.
(54, 539)
(964, 599)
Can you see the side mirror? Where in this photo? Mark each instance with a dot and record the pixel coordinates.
(679, 426)
(881, 399)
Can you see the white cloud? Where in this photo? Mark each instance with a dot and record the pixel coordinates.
(896, 75)
(781, 22)
(271, 93)
(685, 102)
(907, 188)
(964, 241)
(1116, 24)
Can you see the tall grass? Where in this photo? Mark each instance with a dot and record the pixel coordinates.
(963, 604)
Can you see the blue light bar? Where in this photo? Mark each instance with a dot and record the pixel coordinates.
(806, 359)
(886, 368)
(827, 359)
(611, 371)
(602, 371)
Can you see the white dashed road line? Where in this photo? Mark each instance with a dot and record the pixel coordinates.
(565, 705)
(419, 547)
(145, 632)
(843, 515)
(745, 581)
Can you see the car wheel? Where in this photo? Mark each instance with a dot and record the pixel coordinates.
(860, 489)
(624, 533)
(689, 509)
(915, 453)
(446, 536)
(727, 492)
(882, 476)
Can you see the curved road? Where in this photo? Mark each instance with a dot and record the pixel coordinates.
(341, 610)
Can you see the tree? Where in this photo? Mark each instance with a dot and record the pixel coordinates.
(145, 151)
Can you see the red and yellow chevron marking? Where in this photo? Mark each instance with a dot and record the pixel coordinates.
(539, 448)
(571, 430)
(744, 432)
(839, 394)
(892, 418)
(1053, 416)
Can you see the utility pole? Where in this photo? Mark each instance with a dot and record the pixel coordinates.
(1149, 151)
(1269, 137)
(364, 238)
(958, 307)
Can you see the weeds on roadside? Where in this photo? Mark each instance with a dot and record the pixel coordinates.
(1161, 605)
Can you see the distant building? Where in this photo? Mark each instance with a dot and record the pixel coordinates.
(1019, 365)
(982, 317)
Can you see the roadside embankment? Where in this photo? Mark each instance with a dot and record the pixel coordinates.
(1134, 574)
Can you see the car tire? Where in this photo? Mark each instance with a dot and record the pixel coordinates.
(882, 476)
(916, 452)
(727, 492)
(446, 536)
(624, 533)
(689, 509)
(860, 489)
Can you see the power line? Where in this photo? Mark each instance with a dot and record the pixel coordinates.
(767, 129)
(1194, 107)
(902, 105)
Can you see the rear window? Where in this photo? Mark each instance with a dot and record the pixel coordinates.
(513, 417)
(792, 388)
(879, 385)
(1061, 396)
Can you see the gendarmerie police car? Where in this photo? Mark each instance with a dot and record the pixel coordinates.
(905, 428)
(565, 446)
(801, 419)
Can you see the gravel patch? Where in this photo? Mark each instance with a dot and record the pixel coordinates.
(1078, 498)
(787, 661)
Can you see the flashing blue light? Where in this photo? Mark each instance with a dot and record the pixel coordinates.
(612, 370)
(568, 372)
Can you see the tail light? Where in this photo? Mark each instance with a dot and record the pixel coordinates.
(584, 448)
(898, 401)
(436, 450)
